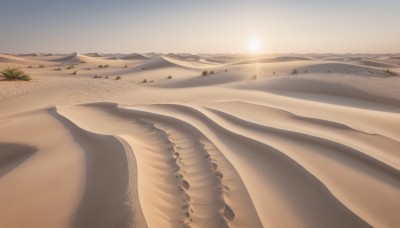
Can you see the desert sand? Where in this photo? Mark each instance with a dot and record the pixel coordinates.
(249, 145)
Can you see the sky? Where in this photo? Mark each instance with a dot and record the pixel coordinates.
(199, 26)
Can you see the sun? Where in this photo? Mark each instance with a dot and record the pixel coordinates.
(254, 45)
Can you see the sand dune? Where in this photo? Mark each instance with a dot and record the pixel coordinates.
(134, 56)
(271, 60)
(251, 145)
(11, 59)
(378, 64)
(190, 63)
(76, 58)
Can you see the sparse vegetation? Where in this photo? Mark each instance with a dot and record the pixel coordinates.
(126, 66)
(211, 72)
(12, 73)
(389, 73)
(106, 77)
(97, 76)
(143, 68)
(75, 72)
(226, 70)
(58, 69)
(41, 66)
(70, 67)
(169, 77)
(103, 66)
(144, 81)
(118, 78)
(204, 73)
(29, 66)
(295, 71)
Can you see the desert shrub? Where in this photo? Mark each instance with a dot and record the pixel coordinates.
(97, 76)
(70, 67)
(126, 66)
(118, 78)
(41, 66)
(211, 72)
(12, 73)
(169, 77)
(106, 77)
(389, 72)
(144, 81)
(295, 71)
(29, 66)
(58, 69)
(226, 70)
(204, 73)
(143, 68)
(103, 66)
(100, 66)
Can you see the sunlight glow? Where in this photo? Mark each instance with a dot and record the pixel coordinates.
(254, 45)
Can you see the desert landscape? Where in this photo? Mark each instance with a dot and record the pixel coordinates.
(199, 114)
(207, 140)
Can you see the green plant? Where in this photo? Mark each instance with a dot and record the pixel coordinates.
(118, 78)
(294, 71)
(12, 73)
(41, 66)
(204, 73)
(389, 72)
(103, 66)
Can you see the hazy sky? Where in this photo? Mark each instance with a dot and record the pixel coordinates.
(201, 26)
